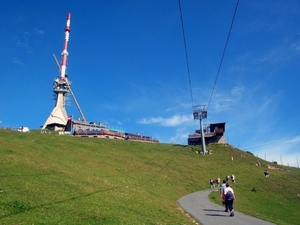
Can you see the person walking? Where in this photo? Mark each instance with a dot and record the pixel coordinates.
(266, 172)
(233, 179)
(211, 182)
(222, 191)
(227, 178)
(229, 198)
(218, 182)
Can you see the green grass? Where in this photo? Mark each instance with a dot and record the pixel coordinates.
(52, 179)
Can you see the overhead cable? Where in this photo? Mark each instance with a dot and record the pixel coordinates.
(186, 53)
(224, 51)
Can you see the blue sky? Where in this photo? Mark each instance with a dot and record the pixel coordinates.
(128, 67)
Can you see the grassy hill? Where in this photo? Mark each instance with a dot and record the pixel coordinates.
(53, 179)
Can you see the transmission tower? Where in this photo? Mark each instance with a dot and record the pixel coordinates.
(200, 113)
(58, 117)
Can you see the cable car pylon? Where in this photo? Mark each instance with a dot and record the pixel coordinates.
(199, 113)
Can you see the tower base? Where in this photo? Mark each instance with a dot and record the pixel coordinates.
(57, 119)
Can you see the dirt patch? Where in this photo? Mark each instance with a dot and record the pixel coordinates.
(276, 168)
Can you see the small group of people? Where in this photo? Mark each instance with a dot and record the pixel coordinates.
(228, 197)
(232, 177)
(212, 183)
(226, 192)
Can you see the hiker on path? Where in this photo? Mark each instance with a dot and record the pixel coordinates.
(222, 191)
(227, 177)
(229, 198)
(211, 182)
(218, 182)
(233, 179)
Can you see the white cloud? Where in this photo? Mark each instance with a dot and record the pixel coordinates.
(225, 100)
(22, 42)
(181, 106)
(284, 150)
(180, 136)
(37, 31)
(173, 121)
(296, 46)
(18, 62)
(237, 91)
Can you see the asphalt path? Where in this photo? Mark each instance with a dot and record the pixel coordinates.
(198, 206)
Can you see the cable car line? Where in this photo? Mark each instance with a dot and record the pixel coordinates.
(186, 53)
(222, 58)
(223, 54)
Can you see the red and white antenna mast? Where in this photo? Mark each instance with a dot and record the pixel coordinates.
(58, 117)
(65, 48)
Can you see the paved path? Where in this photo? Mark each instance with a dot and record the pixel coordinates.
(205, 212)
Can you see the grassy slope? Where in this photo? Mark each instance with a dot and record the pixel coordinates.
(52, 179)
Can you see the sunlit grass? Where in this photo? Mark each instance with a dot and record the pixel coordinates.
(52, 179)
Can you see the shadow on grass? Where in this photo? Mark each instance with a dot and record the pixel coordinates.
(31, 175)
(18, 207)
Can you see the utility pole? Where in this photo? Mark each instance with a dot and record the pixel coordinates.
(200, 113)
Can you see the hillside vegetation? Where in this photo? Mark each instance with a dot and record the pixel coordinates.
(53, 179)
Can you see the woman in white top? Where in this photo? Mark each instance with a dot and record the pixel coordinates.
(229, 198)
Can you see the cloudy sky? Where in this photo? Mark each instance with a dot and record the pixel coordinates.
(129, 68)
